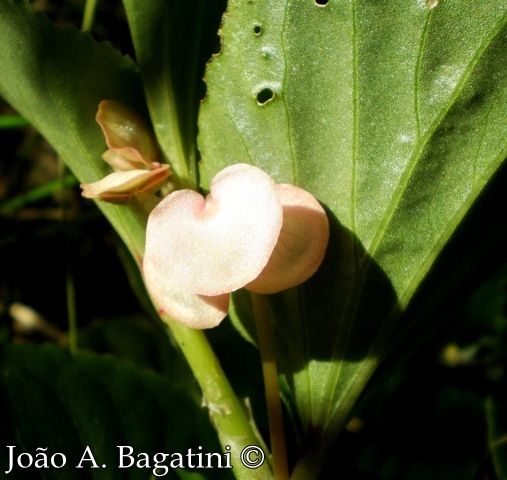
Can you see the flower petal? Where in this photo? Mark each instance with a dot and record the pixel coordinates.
(301, 245)
(127, 159)
(127, 132)
(119, 186)
(194, 311)
(217, 244)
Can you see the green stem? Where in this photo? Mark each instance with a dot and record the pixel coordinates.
(70, 289)
(227, 413)
(273, 401)
(71, 312)
(89, 15)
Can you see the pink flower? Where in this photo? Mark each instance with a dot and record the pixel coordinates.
(133, 153)
(248, 232)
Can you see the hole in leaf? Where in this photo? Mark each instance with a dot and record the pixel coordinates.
(265, 95)
(321, 3)
(257, 29)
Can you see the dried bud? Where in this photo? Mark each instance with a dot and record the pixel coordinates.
(118, 187)
(131, 141)
(133, 153)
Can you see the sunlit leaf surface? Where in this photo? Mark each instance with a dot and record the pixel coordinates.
(394, 115)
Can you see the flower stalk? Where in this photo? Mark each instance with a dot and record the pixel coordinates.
(271, 385)
(227, 413)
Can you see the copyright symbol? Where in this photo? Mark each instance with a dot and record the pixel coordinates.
(252, 456)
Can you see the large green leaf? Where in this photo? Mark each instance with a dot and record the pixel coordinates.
(56, 77)
(394, 115)
(65, 403)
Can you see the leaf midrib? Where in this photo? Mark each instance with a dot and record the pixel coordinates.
(353, 294)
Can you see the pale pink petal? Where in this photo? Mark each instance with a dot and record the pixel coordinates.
(126, 131)
(194, 311)
(301, 245)
(216, 245)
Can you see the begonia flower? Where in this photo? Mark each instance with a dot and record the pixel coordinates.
(248, 232)
(133, 153)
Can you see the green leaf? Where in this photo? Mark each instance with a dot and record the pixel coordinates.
(393, 115)
(65, 403)
(56, 77)
(172, 42)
